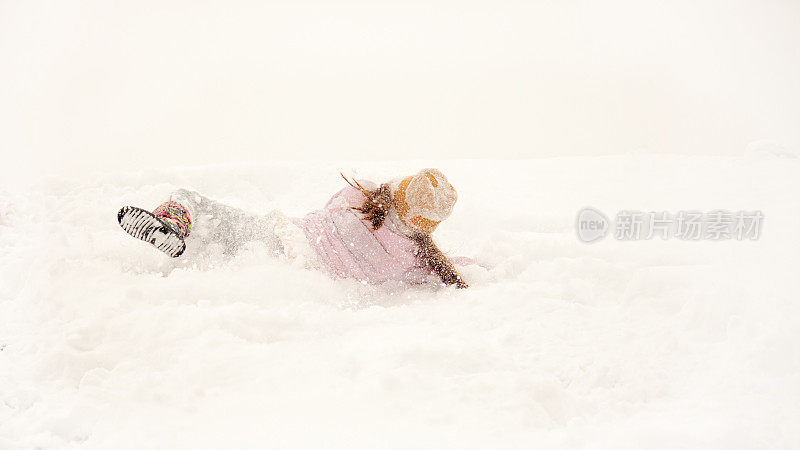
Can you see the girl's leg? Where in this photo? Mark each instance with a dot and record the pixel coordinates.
(212, 221)
(189, 219)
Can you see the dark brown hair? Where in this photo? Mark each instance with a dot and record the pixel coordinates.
(437, 261)
(376, 205)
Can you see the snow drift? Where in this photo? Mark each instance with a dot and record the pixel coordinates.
(106, 343)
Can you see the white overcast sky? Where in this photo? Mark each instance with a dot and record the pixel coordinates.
(104, 85)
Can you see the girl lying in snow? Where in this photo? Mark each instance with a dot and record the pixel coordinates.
(367, 232)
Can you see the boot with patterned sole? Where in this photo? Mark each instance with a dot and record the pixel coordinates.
(163, 233)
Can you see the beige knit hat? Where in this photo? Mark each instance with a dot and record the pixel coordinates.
(423, 200)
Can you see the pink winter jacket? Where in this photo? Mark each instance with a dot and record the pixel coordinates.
(348, 247)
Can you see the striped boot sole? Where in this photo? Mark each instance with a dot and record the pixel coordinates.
(143, 225)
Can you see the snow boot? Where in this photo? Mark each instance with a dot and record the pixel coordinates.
(165, 228)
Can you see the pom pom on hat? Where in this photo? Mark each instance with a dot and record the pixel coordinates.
(423, 200)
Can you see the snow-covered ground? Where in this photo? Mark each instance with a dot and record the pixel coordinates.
(105, 343)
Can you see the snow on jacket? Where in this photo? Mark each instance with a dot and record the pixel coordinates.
(347, 247)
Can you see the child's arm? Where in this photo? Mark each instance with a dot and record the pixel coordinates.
(437, 261)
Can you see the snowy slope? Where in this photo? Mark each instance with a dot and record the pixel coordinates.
(104, 343)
